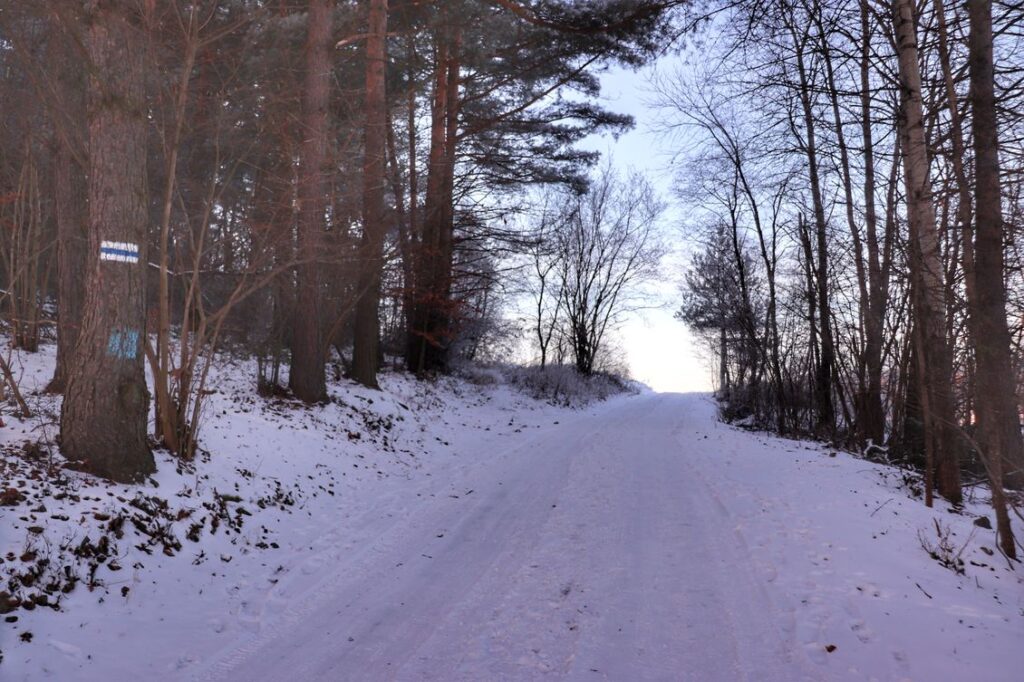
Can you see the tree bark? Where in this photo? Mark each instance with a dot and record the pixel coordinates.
(996, 400)
(365, 356)
(70, 198)
(927, 286)
(103, 417)
(307, 378)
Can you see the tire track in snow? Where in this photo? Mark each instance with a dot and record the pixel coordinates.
(603, 549)
(340, 576)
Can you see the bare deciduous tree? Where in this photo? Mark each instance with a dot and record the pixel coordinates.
(606, 245)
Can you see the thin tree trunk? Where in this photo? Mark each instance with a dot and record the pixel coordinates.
(444, 325)
(414, 236)
(103, 416)
(823, 377)
(367, 321)
(404, 224)
(872, 418)
(811, 289)
(169, 428)
(861, 400)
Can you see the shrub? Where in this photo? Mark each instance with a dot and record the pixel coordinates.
(564, 385)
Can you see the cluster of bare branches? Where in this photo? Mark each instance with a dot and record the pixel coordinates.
(858, 167)
(591, 255)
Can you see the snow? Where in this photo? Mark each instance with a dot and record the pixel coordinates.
(458, 531)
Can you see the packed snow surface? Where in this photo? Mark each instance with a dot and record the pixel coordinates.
(496, 538)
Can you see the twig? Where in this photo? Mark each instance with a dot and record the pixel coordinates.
(882, 505)
(13, 385)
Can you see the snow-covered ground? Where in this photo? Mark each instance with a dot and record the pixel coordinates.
(455, 531)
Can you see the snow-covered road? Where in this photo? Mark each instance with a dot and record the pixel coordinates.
(592, 550)
(638, 541)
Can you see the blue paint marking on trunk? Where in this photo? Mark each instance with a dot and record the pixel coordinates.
(123, 344)
(120, 252)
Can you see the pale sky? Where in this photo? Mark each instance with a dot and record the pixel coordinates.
(661, 352)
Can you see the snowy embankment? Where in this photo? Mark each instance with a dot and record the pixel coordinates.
(842, 546)
(459, 531)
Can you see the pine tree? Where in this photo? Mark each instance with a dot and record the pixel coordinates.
(103, 418)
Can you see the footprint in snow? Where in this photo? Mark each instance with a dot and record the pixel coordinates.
(862, 631)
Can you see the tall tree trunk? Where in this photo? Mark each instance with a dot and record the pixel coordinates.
(823, 377)
(864, 404)
(70, 197)
(723, 372)
(996, 400)
(430, 319)
(307, 378)
(413, 237)
(404, 218)
(964, 191)
(417, 341)
(103, 417)
(872, 417)
(445, 320)
(926, 266)
(367, 323)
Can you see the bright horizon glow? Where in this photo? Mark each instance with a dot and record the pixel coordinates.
(663, 354)
(660, 350)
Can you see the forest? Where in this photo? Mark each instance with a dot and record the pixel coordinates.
(315, 193)
(316, 184)
(858, 167)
